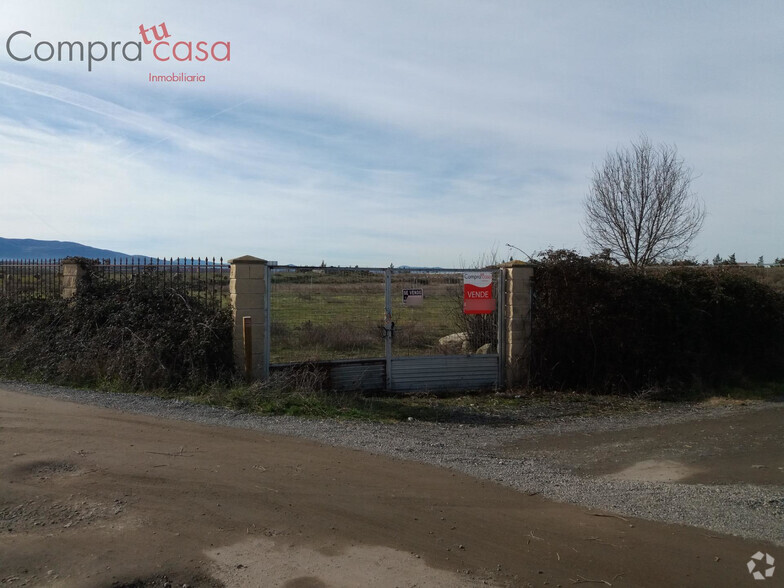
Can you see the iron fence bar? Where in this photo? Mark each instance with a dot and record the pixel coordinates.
(220, 282)
(214, 281)
(42, 278)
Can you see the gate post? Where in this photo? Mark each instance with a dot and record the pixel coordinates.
(389, 329)
(248, 291)
(516, 331)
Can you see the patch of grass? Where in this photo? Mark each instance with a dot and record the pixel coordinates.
(733, 395)
(302, 392)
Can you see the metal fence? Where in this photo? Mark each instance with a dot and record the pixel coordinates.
(206, 278)
(30, 278)
(435, 324)
(325, 313)
(321, 314)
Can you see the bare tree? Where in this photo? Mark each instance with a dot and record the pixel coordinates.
(640, 206)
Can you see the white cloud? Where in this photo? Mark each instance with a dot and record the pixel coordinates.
(413, 132)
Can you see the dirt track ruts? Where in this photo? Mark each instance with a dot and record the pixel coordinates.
(118, 496)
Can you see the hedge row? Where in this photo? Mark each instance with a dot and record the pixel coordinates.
(605, 328)
(134, 335)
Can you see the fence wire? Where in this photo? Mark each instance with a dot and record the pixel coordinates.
(436, 324)
(320, 314)
(326, 313)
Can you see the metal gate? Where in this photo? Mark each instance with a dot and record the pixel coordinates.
(394, 329)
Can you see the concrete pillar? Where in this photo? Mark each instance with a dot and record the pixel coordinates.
(517, 319)
(74, 271)
(248, 293)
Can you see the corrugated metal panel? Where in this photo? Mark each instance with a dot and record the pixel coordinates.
(366, 374)
(442, 372)
(349, 374)
(431, 372)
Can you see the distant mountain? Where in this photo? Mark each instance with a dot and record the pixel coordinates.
(35, 249)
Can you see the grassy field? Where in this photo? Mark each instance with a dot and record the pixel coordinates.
(342, 316)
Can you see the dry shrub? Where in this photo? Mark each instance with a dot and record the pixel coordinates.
(136, 335)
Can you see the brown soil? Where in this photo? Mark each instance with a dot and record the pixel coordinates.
(744, 448)
(93, 497)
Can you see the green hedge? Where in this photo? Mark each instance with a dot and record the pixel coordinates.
(605, 328)
(136, 335)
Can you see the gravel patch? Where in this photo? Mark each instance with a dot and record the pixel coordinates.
(754, 512)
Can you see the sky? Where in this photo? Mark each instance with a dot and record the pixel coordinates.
(368, 132)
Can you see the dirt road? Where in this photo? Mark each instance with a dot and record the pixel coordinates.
(95, 497)
(744, 448)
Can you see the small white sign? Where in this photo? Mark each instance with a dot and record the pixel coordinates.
(478, 279)
(413, 296)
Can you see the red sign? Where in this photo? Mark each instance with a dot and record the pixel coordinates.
(478, 293)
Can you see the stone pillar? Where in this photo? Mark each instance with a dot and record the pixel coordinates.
(248, 293)
(517, 319)
(74, 271)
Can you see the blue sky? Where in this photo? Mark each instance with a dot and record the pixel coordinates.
(370, 132)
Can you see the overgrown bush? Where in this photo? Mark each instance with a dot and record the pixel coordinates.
(299, 390)
(136, 335)
(611, 329)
